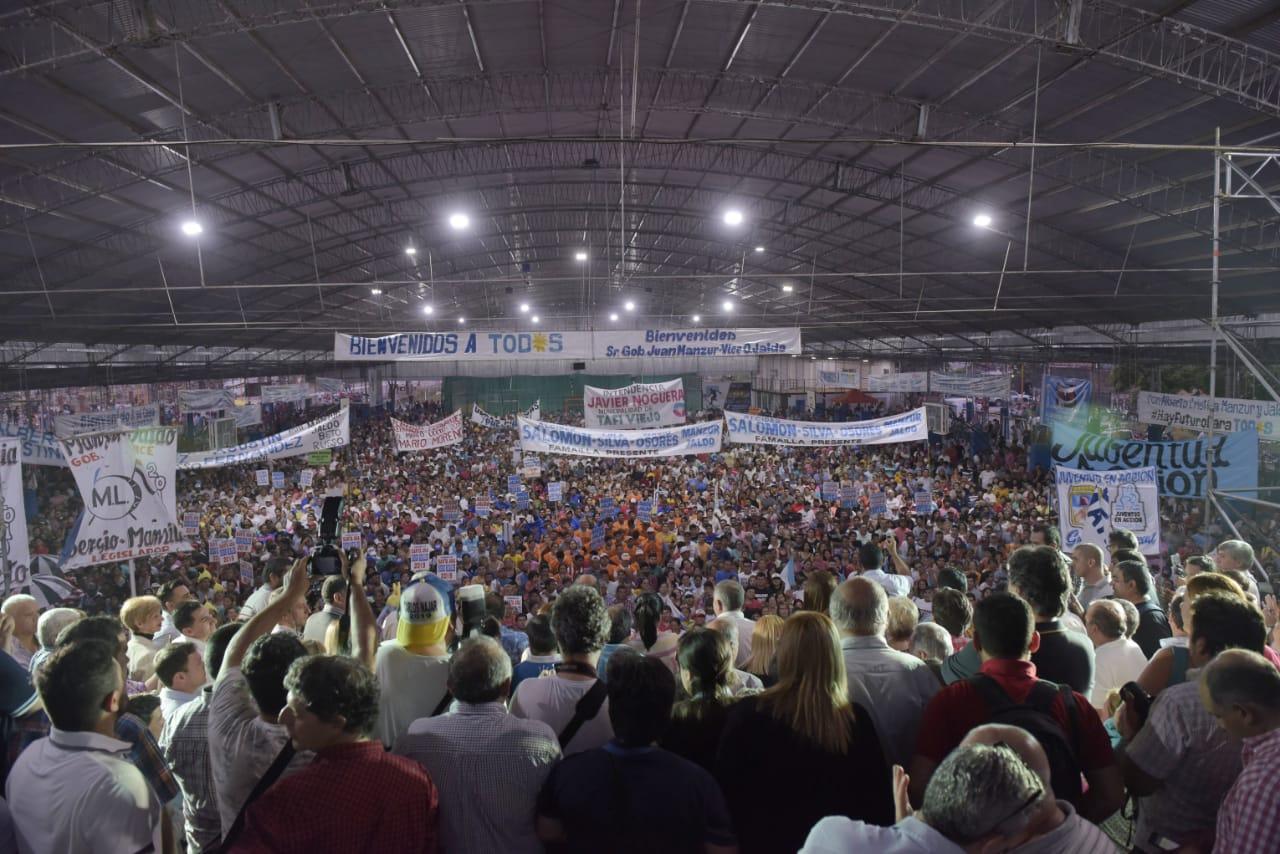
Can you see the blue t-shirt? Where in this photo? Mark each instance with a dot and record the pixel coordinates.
(528, 670)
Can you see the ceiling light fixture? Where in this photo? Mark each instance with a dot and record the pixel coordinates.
(759, 248)
(982, 220)
(536, 319)
(629, 305)
(192, 228)
(697, 318)
(377, 292)
(461, 320)
(614, 317)
(727, 305)
(524, 308)
(733, 216)
(459, 221)
(579, 256)
(426, 309)
(786, 289)
(410, 251)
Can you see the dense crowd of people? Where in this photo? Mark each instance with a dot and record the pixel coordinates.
(711, 653)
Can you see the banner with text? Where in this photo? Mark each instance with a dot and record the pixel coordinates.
(1092, 504)
(126, 480)
(914, 382)
(636, 406)
(205, 400)
(761, 430)
(15, 551)
(1191, 412)
(412, 437)
(840, 379)
(249, 415)
(38, 447)
(470, 346)
(294, 393)
(332, 431)
(1181, 467)
(546, 438)
(988, 386)
(109, 419)
(489, 422)
(1065, 400)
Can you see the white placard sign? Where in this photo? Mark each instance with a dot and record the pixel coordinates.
(412, 437)
(447, 567)
(126, 480)
(1092, 504)
(634, 407)
(332, 431)
(759, 430)
(544, 437)
(1231, 414)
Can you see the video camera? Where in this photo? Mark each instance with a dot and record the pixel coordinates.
(327, 559)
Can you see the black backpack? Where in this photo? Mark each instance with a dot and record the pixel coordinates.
(1036, 717)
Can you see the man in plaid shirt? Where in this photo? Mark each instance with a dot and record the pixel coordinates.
(1242, 690)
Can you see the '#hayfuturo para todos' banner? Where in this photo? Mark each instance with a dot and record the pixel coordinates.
(759, 430)
(636, 406)
(1231, 415)
(544, 437)
(474, 346)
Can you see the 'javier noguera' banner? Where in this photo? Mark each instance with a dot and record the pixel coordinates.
(476, 346)
(411, 437)
(635, 406)
(1182, 467)
(544, 437)
(759, 430)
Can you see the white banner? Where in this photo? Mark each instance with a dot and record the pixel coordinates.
(15, 552)
(205, 400)
(840, 379)
(330, 386)
(332, 431)
(534, 412)
(411, 437)
(249, 415)
(759, 430)
(987, 386)
(126, 480)
(1092, 504)
(484, 419)
(1231, 414)
(715, 392)
(636, 406)
(39, 448)
(294, 393)
(107, 419)
(916, 382)
(472, 346)
(543, 437)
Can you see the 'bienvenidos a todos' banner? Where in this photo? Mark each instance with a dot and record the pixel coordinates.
(1231, 415)
(411, 437)
(544, 437)
(1092, 504)
(476, 346)
(332, 431)
(126, 480)
(760, 430)
(636, 406)
(1182, 467)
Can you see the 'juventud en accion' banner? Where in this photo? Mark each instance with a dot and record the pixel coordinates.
(126, 480)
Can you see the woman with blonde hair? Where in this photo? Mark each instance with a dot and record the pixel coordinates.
(804, 733)
(764, 645)
(142, 616)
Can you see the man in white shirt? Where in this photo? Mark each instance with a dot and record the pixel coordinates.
(728, 601)
(77, 790)
(181, 670)
(272, 575)
(334, 594)
(894, 687)
(244, 734)
(172, 594)
(1087, 564)
(195, 623)
(487, 764)
(871, 558)
(1117, 659)
(740, 681)
(581, 625)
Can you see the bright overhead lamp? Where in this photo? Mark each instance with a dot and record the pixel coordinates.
(459, 221)
(461, 320)
(727, 305)
(831, 358)
(759, 248)
(192, 228)
(535, 319)
(733, 216)
(524, 308)
(410, 251)
(426, 309)
(629, 305)
(786, 289)
(614, 317)
(697, 318)
(377, 292)
(982, 220)
(864, 361)
(579, 256)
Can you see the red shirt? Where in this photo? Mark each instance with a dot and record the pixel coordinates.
(958, 708)
(353, 797)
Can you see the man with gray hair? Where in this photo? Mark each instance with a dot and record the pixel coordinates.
(931, 643)
(956, 815)
(22, 611)
(50, 624)
(487, 764)
(1237, 554)
(893, 686)
(1117, 659)
(727, 601)
(740, 681)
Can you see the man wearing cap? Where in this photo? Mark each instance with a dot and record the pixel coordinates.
(413, 669)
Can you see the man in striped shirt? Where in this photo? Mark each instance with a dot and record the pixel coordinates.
(1242, 690)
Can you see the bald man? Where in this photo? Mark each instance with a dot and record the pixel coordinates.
(1088, 563)
(1058, 827)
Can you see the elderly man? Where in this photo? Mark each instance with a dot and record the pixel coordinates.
(1237, 554)
(24, 612)
(48, 627)
(1241, 690)
(728, 599)
(740, 681)
(488, 764)
(1088, 564)
(895, 687)
(1117, 659)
